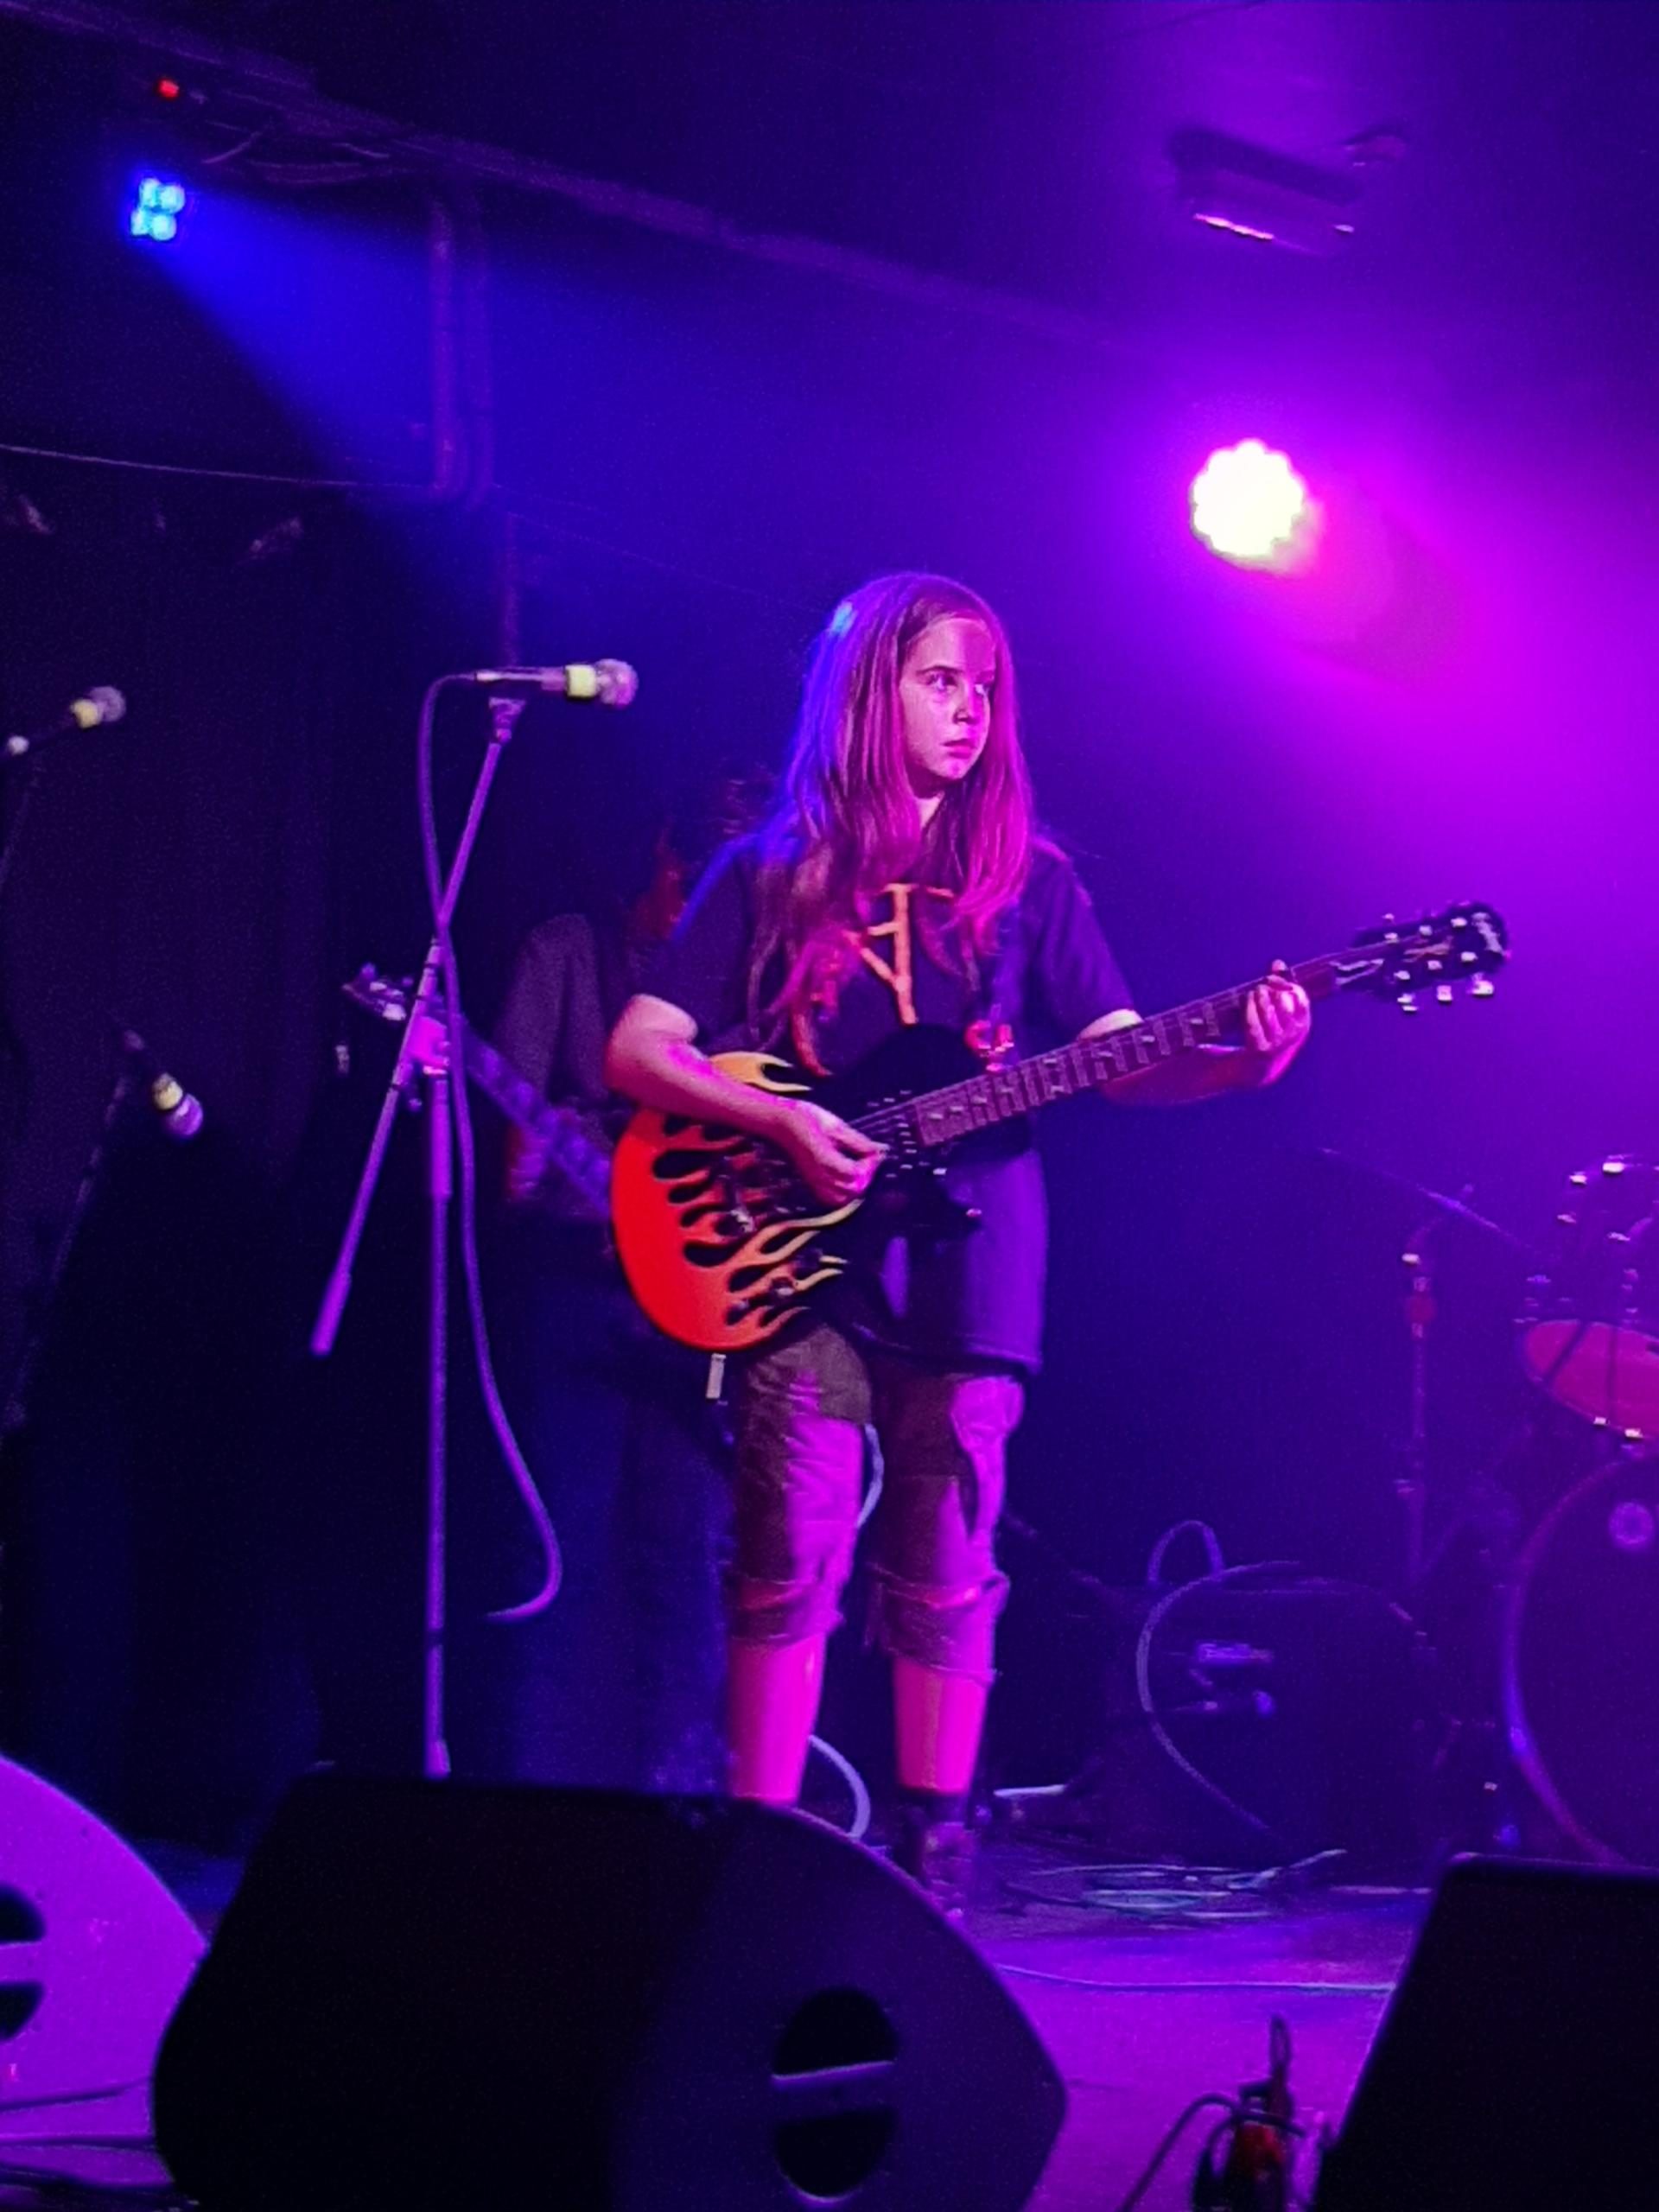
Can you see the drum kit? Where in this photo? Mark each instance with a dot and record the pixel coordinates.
(1574, 1611)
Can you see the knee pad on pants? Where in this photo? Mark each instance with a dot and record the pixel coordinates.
(951, 1631)
(786, 1612)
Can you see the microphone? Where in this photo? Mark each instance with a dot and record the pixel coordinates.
(102, 703)
(180, 1114)
(612, 683)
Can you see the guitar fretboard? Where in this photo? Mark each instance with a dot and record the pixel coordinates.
(1091, 1063)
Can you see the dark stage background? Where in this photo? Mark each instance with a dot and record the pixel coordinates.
(628, 441)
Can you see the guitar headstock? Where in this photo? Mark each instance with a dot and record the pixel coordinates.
(1465, 945)
(377, 994)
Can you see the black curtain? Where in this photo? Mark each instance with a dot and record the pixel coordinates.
(209, 873)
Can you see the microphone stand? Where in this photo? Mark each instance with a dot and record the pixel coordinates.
(427, 1049)
(15, 1415)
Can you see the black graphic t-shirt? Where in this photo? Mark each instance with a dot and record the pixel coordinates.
(976, 1299)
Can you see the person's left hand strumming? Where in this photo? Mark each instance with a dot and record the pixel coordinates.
(1277, 1019)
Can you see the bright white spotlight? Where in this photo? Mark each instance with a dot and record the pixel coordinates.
(1250, 506)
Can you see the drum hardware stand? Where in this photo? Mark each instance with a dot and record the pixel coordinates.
(1412, 1486)
(130, 1080)
(1421, 1310)
(1489, 1511)
(1481, 1744)
(426, 1050)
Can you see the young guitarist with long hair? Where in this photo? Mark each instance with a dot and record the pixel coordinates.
(900, 880)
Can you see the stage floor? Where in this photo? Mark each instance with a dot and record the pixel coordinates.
(1150, 1989)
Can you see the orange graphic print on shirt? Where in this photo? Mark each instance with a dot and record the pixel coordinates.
(989, 1037)
(899, 974)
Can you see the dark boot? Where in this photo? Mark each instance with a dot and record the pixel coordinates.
(935, 1843)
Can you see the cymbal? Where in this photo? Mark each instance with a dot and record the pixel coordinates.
(1437, 1201)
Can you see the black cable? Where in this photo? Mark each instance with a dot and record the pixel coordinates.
(1161, 1736)
(1371, 1989)
(1155, 1621)
(47, 2183)
(1236, 2113)
(71, 2097)
(1172, 2136)
(1242, 2113)
(518, 1466)
(211, 475)
(1167, 1891)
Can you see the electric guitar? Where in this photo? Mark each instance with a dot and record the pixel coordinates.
(723, 1245)
(572, 1144)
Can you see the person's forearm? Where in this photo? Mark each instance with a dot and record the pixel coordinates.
(670, 1074)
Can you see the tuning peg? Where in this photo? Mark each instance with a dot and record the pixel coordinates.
(1444, 994)
(1407, 1002)
(1483, 987)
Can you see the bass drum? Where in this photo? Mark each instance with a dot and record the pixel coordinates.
(1581, 1663)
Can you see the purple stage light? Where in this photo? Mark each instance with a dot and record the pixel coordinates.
(1250, 506)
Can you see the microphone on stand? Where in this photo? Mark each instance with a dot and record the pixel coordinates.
(179, 1113)
(612, 683)
(102, 703)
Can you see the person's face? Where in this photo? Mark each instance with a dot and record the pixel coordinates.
(944, 690)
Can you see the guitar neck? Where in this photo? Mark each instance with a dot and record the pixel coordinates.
(1095, 1063)
(580, 1158)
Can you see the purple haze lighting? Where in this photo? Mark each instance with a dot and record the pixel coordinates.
(1251, 507)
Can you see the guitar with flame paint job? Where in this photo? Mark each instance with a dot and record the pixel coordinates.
(723, 1245)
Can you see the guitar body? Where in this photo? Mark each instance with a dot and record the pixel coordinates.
(722, 1244)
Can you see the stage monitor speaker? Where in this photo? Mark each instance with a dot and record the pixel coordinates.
(1513, 2070)
(431, 1994)
(93, 1954)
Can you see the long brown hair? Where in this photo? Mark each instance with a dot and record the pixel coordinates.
(845, 824)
